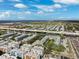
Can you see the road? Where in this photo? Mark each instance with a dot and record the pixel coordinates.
(44, 31)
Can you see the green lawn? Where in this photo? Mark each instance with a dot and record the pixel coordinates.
(50, 47)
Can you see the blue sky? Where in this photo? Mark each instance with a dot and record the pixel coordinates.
(39, 9)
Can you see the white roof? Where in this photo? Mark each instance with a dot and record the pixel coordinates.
(7, 56)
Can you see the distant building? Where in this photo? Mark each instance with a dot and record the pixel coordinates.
(48, 56)
(7, 56)
(3, 48)
(16, 53)
(7, 35)
(35, 53)
(21, 37)
(7, 47)
(26, 47)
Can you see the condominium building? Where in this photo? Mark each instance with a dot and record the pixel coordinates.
(7, 56)
(35, 53)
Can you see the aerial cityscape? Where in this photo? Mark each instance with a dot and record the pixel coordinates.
(39, 40)
(39, 29)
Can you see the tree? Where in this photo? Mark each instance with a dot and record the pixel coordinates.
(19, 57)
(13, 38)
(1, 52)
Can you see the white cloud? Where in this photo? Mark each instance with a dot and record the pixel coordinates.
(67, 1)
(19, 5)
(45, 8)
(40, 12)
(11, 0)
(57, 6)
(1, 0)
(27, 12)
(49, 8)
(65, 9)
(15, 0)
(5, 15)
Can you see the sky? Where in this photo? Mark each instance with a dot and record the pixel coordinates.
(39, 9)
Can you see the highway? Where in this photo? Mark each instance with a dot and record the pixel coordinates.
(44, 31)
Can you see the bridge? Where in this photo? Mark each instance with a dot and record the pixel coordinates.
(43, 31)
